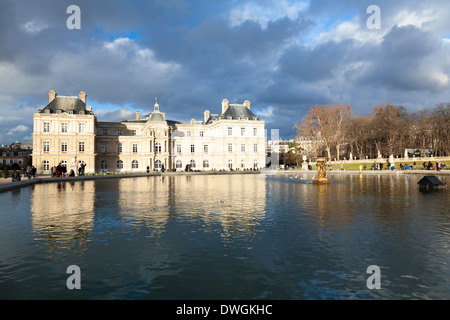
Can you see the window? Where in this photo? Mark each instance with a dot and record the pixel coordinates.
(119, 132)
(46, 146)
(135, 148)
(242, 163)
(230, 131)
(158, 147)
(104, 132)
(188, 133)
(230, 164)
(179, 164)
(242, 131)
(133, 132)
(135, 164)
(255, 147)
(230, 147)
(81, 127)
(104, 165)
(119, 164)
(81, 146)
(205, 164)
(205, 148)
(178, 148)
(201, 133)
(255, 131)
(119, 148)
(46, 126)
(46, 165)
(64, 127)
(63, 146)
(242, 147)
(192, 148)
(255, 164)
(104, 148)
(158, 164)
(192, 163)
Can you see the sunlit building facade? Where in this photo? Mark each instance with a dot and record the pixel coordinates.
(66, 131)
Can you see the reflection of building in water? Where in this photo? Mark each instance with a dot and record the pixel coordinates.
(232, 204)
(145, 203)
(63, 213)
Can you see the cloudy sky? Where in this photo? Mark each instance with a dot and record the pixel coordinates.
(284, 56)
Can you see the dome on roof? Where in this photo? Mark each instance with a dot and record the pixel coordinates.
(156, 116)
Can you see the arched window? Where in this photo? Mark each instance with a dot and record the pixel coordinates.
(179, 164)
(120, 164)
(230, 164)
(255, 164)
(104, 165)
(158, 164)
(192, 163)
(135, 164)
(205, 164)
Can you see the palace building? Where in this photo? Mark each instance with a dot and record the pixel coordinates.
(66, 131)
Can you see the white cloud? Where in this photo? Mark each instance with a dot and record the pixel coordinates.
(351, 30)
(19, 128)
(263, 14)
(266, 113)
(34, 26)
(417, 19)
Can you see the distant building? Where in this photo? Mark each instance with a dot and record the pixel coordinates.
(66, 131)
(18, 154)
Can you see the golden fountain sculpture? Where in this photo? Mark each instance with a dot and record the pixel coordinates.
(321, 171)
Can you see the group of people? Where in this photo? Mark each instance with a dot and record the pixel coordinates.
(17, 175)
(429, 166)
(61, 170)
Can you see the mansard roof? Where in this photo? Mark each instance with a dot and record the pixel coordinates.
(233, 112)
(66, 104)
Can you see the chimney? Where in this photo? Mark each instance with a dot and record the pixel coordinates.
(247, 104)
(83, 96)
(206, 115)
(137, 115)
(51, 96)
(224, 105)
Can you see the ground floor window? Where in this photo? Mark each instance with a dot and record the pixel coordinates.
(192, 163)
(120, 164)
(205, 164)
(255, 164)
(135, 164)
(46, 165)
(230, 164)
(158, 164)
(179, 164)
(242, 163)
(104, 165)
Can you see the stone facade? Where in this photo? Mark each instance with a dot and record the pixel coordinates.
(67, 131)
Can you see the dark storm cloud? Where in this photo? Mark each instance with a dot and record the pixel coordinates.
(193, 54)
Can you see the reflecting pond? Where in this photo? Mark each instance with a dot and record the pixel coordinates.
(226, 237)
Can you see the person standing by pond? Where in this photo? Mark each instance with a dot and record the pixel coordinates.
(5, 172)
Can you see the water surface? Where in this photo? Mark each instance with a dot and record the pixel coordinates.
(226, 237)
